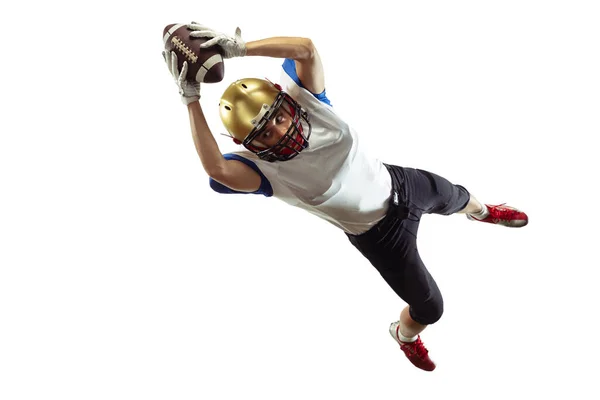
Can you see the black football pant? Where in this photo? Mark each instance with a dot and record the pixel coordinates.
(391, 245)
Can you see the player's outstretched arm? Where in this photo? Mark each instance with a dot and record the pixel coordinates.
(301, 50)
(230, 173)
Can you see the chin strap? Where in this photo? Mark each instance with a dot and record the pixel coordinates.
(232, 138)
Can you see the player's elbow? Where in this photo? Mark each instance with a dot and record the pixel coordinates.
(310, 47)
(307, 49)
(215, 171)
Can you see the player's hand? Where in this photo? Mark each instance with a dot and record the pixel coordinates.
(233, 46)
(189, 91)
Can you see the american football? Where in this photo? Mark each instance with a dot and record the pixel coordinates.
(204, 65)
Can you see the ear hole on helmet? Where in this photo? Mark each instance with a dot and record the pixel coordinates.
(244, 86)
(228, 108)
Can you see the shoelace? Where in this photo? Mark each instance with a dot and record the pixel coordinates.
(503, 213)
(421, 350)
(419, 347)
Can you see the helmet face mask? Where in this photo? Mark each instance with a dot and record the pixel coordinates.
(288, 117)
(264, 119)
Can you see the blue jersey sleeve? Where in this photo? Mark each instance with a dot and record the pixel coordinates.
(265, 186)
(289, 66)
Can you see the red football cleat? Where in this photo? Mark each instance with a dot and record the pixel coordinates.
(503, 215)
(414, 351)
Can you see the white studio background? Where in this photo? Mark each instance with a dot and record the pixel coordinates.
(123, 276)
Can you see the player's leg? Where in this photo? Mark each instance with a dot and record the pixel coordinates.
(391, 248)
(434, 194)
(408, 327)
(415, 285)
(398, 261)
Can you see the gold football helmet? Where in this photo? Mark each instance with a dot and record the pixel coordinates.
(264, 119)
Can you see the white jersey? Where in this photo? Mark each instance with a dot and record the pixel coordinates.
(333, 178)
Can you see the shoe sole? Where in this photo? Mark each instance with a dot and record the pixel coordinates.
(522, 223)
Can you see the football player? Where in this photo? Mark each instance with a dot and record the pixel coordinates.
(295, 148)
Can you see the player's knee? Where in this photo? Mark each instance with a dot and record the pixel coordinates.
(436, 309)
(429, 312)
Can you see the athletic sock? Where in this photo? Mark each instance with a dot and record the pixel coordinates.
(406, 339)
(481, 215)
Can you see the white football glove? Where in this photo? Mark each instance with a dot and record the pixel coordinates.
(233, 46)
(189, 91)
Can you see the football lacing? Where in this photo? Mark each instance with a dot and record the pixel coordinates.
(184, 49)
